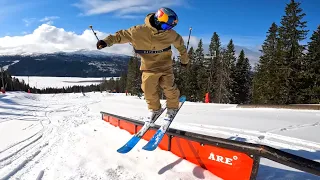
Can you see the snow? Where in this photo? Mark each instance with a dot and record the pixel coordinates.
(62, 136)
(7, 66)
(42, 82)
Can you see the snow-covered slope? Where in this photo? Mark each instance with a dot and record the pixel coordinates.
(42, 82)
(62, 136)
(7, 66)
(85, 52)
(80, 63)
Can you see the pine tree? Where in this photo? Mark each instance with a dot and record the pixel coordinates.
(130, 76)
(265, 78)
(215, 69)
(219, 71)
(311, 92)
(231, 66)
(182, 76)
(103, 85)
(226, 77)
(123, 82)
(242, 79)
(200, 72)
(291, 33)
(191, 84)
(12, 84)
(134, 76)
(137, 74)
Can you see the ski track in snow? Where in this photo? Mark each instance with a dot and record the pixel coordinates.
(66, 148)
(295, 127)
(19, 154)
(61, 130)
(17, 143)
(17, 159)
(55, 128)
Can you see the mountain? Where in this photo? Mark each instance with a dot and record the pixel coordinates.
(252, 55)
(81, 63)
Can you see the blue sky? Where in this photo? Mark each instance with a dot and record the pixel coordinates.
(244, 21)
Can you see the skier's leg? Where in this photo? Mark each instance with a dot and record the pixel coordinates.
(170, 90)
(150, 84)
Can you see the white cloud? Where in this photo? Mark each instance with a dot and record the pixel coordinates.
(123, 7)
(193, 42)
(49, 22)
(28, 21)
(49, 18)
(130, 17)
(47, 39)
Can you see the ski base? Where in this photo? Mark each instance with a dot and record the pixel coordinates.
(156, 139)
(129, 145)
(136, 138)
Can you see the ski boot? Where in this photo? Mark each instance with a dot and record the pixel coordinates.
(152, 115)
(170, 114)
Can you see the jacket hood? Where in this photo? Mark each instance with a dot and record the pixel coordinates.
(148, 24)
(147, 21)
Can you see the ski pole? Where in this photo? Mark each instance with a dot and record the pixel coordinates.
(189, 37)
(94, 32)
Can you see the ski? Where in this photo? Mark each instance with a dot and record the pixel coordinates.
(157, 137)
(136, 138)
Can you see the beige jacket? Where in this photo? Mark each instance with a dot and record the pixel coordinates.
(146, 37)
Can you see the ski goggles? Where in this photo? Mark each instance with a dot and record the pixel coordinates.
(166, 26)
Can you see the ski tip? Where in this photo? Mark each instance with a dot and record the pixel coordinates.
(149, 148)
(129, 145)
(123, 150)
(182, 98)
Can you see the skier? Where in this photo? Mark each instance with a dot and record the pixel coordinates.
(152, 41)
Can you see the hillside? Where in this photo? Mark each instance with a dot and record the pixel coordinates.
(72, 64)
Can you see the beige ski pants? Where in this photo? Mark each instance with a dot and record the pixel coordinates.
(150, 86)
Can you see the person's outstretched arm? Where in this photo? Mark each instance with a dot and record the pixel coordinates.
(120, 37)
(179, 44)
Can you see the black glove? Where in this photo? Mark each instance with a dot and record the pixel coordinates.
(101, 44)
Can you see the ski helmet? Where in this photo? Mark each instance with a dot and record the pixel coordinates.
(166, 18)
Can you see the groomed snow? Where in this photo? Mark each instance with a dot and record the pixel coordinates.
(62, 136)
(42, 82)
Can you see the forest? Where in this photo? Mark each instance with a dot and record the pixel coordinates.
(288, 72)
